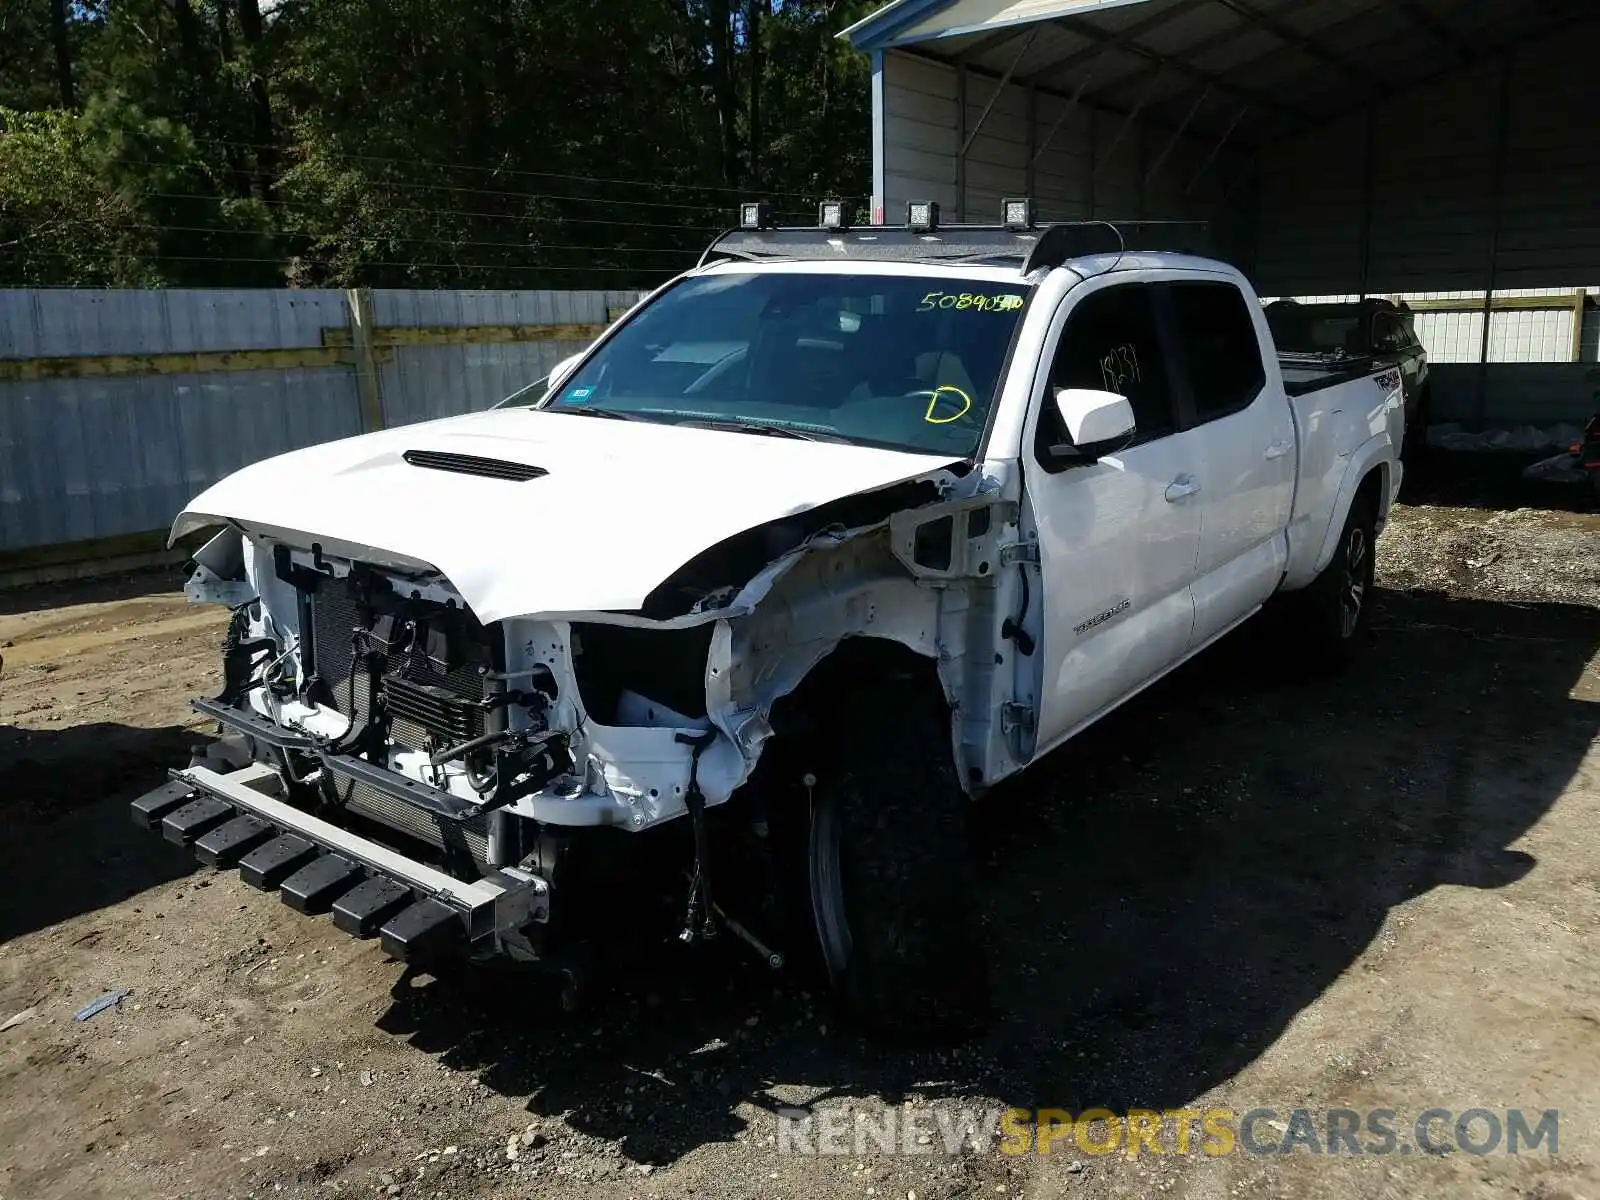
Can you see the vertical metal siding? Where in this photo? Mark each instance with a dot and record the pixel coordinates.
(922, 139)
(997, 160)
(421, 383)
(1550, 234)
(1434, 204)
(920, 136)
(1061, 175)
(1518, 394)
(1451, 337)
(96, 457)
(38, 323)
(1530, 336)
(1116, 166)
(1310, 232)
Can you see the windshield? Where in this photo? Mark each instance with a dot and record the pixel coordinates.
(1317, 331)
(910, 363)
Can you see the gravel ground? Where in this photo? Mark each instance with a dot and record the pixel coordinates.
(1523, 554)
(1242, 890)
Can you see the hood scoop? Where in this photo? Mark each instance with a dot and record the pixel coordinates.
(471, 464)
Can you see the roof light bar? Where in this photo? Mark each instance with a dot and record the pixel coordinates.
(1016, 213)
(922, 216)
(755, 214)
(831, 214)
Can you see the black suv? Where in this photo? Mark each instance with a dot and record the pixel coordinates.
(1377, 331)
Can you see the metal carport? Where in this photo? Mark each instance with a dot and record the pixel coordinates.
(1439, 151)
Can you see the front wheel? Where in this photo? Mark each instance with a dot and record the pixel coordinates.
(891, 882)
(1336, 610)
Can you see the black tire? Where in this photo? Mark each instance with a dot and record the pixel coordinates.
(1336, 610)
(890, 876)
(1416, 436)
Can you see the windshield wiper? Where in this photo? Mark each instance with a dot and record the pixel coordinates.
(610, 414)
(805, 435)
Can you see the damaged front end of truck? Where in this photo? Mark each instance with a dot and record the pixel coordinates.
(447, 768)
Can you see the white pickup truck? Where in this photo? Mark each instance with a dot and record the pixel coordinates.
(825, 537)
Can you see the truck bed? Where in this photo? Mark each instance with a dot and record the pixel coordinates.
(1305, 372)
(1339, 415)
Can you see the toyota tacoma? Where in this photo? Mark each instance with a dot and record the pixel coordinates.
(819, 543)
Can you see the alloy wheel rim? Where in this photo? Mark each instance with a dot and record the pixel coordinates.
(1355, 584)
(827, 890)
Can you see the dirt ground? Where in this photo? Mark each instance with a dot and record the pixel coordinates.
(1243, 890)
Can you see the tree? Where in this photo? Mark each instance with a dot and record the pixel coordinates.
(719, 20)
(250, 29)
(752, 26)
(525, 143)
(38, 46)
(58, 219)
(202, 234)
(58, 36)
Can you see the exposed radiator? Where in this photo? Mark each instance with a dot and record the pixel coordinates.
(471, 836)
(420, 702)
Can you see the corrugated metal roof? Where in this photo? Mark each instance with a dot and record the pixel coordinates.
(1285, 64)
(987, 16)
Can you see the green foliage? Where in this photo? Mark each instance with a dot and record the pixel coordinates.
(59, 222)
(202, 234)
(27, 78)
(525, 143)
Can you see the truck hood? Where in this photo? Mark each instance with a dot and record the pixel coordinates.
(621, 505)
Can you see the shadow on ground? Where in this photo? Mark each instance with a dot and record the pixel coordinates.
(128, 586)
(1163, 896)
(69, 847)
(1486, 480)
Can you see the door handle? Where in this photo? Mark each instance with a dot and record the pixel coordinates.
(1183, 485)
(1278, 449)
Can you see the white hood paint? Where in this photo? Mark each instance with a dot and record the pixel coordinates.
(624, 505)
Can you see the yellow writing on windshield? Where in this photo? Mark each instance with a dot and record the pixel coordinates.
(970, 302)
(954, 395)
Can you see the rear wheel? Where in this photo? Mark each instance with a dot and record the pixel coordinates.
(1416, 436)
(1336, 610)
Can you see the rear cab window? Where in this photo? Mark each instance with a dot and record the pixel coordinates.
(1218, 346)
(1317, 329)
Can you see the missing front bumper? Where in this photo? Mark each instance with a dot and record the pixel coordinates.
(418, 912)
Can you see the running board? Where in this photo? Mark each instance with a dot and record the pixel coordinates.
(418, 911)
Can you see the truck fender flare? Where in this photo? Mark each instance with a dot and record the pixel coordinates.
(1377, 451)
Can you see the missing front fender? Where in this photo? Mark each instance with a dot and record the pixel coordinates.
(616, 665)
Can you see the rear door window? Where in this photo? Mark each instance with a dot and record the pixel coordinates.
(1219, 348)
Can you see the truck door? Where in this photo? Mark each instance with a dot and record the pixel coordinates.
(1244, 438)
(1117, 537)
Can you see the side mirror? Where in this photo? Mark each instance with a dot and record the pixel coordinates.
(560, 371)
(542, 386)
(1097, 422)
